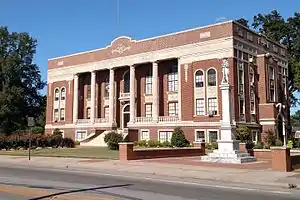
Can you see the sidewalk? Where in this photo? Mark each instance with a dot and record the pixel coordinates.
(155, 169)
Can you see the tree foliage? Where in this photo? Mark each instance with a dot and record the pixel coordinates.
(243, 21)
(20, 81)
(286, 32)
(295, 119)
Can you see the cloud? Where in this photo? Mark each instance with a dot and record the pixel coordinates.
(221, 19)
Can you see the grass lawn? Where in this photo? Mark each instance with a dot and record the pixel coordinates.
(78, 152)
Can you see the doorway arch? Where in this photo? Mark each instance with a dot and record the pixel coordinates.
(125, 115)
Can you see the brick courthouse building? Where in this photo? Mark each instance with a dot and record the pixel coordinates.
(148, 87)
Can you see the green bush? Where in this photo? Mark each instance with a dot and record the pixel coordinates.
(258, 145)
(57, 132)
(296, 144)
(166, 144)
(243, 134)
(141, 143)
(113, 139)
(290, 144)
(211, 146)
(153, 143)
(37, 129)
(249, 145)
(68, 143)
(278, 143)
(178, 139)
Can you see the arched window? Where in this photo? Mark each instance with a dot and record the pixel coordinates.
(56, 94)
(126, 108)
(63, 94)
(211, 77)
(126, 82)
(199, 79)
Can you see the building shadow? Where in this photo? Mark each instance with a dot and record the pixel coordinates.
(79, 190)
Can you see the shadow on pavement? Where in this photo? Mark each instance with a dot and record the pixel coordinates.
(79, 190)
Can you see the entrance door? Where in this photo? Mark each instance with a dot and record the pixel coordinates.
(126, 116)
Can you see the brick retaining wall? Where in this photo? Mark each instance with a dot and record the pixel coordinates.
(127, 152)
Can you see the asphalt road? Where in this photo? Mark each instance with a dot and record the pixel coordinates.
(21, 183)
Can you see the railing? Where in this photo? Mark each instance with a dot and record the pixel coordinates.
(143, 119)
(168, 119)
(101, 120)
(83, 121)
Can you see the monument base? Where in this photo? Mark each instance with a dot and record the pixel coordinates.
(228, 152)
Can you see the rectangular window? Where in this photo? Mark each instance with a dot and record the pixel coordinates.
(255, 136)
(80, 135)
(212, 105)
(271, 73)
(242, 110)
(148, 85)
(173, 80)
(89, 92)
(56, 115)
(62, 114)
(56, 96)
(165, 136)
(88, 113)
(173, 109)
(145, 135)
(200, 136)
(199, 79)
(148, 110)
(106, 93)
(200, 107)
(106, 112)
(213, 136)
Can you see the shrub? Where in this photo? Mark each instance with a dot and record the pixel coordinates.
(68, 143)
(37, 129)
(243, 134)
(249, 145)
(153, 143)
(297, 144)
(270, 139)
(290, 144)
(214, 145)
(113, 139)
(166, 144)
(178, 139)
(141, 143)
(77, 143)
(57, 132)
(278, 143)
(258, 145)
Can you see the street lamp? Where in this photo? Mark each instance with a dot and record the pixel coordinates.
(280, 107)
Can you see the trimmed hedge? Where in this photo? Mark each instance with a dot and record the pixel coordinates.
(112, 139)
(21, 140)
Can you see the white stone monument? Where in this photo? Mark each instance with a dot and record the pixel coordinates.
(228, 146)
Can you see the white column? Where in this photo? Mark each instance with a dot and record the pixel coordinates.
(93, 95)
(155, 94)
(132, 94)
(179, 90)
(75, 99)
(111, 96)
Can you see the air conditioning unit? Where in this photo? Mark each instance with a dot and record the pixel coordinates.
(251, 60)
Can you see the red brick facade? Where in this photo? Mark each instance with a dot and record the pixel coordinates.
(261, 117)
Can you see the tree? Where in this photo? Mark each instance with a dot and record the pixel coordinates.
(243, 21)
(178, 138)
(20, 81)
(295, 119)
(286, 32)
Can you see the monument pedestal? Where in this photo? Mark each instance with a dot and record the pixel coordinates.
(228, 148)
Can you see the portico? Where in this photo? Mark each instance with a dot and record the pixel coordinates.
(124, 86)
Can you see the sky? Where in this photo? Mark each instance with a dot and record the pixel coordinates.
(69, 26)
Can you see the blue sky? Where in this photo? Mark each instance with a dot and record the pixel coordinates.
(68, 26)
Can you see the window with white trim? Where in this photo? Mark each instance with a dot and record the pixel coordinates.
(63, 94)
(145, 135)
(148, 110)
(173, 109)
(199, 80)
(88, 92)
(80, 135)
(165, 136)
(242, 110)
(148, 82)
(56, 94)
(56, 115)
(173, 79)
(211, 77)
(255, 136)
(213, 136)
(106, 93)
(271, 83)
(88, 113)
(199, 136)
(62, 114)
(200, 106)
(213, 105)
(106, 112)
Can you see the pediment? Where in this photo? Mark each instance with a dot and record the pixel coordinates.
(120, 45)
